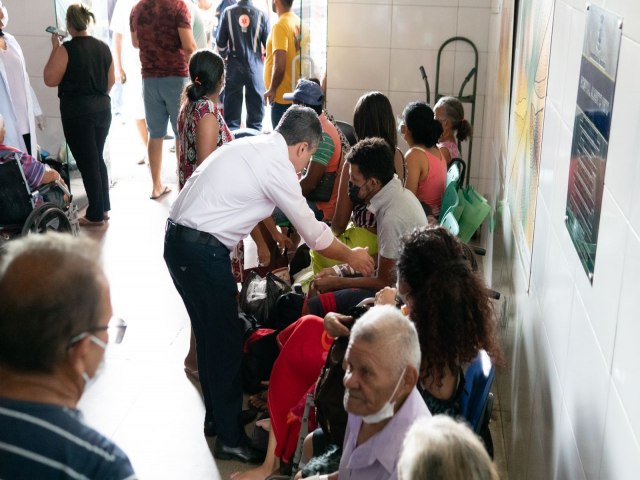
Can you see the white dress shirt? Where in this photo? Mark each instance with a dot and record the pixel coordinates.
(239, 185)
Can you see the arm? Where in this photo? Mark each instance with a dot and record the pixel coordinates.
(344, 207)
(400, 162)
(56, 66)
(310, 181)
(111, 77)
(134, 40)
(117, 58)
(385, 277)
(277, 74)
(187, 41)
(446, 155)
(413, 171)
(222, 36)
(358, 258)
(206, 137)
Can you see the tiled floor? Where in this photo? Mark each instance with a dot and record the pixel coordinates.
(143, 400)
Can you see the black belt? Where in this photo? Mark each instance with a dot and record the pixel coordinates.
(191, 235)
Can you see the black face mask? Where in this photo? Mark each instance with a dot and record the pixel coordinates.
(353, 194)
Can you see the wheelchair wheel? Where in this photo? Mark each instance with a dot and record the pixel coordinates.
(46, 217)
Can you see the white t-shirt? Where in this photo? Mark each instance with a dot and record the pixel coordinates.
(120, 24)
(239, 185)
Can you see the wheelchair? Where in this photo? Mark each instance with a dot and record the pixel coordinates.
(24, 212)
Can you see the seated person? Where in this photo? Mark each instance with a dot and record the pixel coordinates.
(381, 372)
(397, 210)
(426, 166)
(35, 172)
(51, 345)
(352, 223)
(440, 448)
(328, 156)
(449, 305)
(450, 113)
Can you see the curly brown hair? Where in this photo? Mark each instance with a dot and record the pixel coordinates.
(449, 302)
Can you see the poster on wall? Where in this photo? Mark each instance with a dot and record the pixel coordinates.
(529, 91)
(596, 87)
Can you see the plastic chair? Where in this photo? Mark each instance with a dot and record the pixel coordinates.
(477, 400)
(453, 174)
(449, 201)
(450, 223)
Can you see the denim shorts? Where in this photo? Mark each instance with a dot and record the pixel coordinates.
(162, 103)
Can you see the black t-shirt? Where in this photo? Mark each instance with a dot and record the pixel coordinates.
(83, 89)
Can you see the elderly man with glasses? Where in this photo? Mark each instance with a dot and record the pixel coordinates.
(55, 322)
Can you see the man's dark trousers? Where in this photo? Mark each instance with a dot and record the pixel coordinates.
(202, 275)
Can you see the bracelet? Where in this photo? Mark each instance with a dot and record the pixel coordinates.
(344, 270)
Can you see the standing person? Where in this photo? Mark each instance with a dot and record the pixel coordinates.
(283, 44)
(212, 213)
(161, 29)
(219, 9)
(62, 339)
(128, 70)
(207, 11)
(450, 113)
(18, 102)
(201, 129)
(83, 71)
(426, 166)
(242, 34)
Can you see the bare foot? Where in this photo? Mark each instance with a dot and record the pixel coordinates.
(159, 194)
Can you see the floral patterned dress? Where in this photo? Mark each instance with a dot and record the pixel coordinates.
(190, 115)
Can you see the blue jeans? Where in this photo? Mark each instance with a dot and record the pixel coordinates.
(202, 275)
(277, 110)
(239, 76)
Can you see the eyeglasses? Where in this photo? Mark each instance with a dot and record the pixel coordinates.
(115, 330)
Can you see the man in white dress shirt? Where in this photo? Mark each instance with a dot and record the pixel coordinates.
(234, 189)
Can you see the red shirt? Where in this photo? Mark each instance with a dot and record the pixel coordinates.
(156, 24)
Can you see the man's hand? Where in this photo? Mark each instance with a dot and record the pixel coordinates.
(326, 272)
(326, 284)
(264, 254)
(121, 76)
(283, 241)
(361, 261)
(335, 324)
(269, 96)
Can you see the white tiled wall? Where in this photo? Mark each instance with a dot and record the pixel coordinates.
(379, 45)
(582, 396)
(27, 21)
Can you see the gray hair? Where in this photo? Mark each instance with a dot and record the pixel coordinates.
(51, 289)
(440, 448)
(386, 324)
(300, 124)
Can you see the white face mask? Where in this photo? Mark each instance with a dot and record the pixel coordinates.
(387, 409)
(88, 381)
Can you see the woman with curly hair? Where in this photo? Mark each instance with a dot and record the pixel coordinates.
(450, 306)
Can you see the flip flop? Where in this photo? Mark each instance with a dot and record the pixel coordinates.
(164, 192)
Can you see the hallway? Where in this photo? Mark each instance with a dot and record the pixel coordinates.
(143, 400)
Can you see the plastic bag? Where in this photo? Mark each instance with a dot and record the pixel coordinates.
(259, 295)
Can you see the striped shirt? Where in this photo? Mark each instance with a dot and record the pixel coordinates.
(46, 441)
(33, 169)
